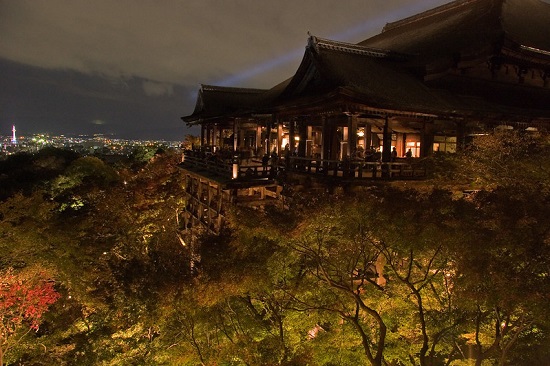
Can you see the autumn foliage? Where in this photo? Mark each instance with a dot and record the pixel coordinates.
(452, 270)
(23, 301)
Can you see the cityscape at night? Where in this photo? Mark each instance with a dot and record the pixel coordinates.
(83, 144)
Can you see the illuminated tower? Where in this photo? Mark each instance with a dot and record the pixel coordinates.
(13, 138)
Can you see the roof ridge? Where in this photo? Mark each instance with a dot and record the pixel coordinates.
(219, 88)
(426, 14)
(318, 43)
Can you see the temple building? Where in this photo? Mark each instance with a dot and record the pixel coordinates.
(373, 110)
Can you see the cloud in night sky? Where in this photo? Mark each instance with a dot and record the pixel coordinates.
(182, 42)
(137, 63)
(157, 89)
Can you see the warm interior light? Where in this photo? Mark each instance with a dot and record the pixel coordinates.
(504, 127)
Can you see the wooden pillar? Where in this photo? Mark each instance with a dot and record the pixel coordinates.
(269, 128)
(330, 140)
(352, 134)
(292, 136)
(368, 136)
(344, 145)
(386, 143)
(215, 135)
(309, 146)
(202, 135)
(258, 140)
(303, 133)
(235, 135)
(324, 138)
(279, 136)
(208, 205)
(334, 143)
(241, 141)
(460, 135)
(209, 135)
(426, 139)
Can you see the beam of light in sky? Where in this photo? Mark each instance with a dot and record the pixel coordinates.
(363, 29)
(261, 68)
(375, 25)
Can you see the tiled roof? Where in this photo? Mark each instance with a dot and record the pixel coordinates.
(469, 29)
(216, 101)
(385, 83)
(387, 71)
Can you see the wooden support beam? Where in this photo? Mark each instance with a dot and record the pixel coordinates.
(208, 135)
(292, 136)
(215, 135)
(352, 134)
(258, 141)
(368, 136)
(279, 136)
(426, 139)
(303, 134)
(386, 143)
(324, 138)
(235, 134)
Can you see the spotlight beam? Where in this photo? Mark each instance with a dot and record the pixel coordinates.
(364, 28)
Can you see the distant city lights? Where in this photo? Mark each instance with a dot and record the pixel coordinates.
(83, 144)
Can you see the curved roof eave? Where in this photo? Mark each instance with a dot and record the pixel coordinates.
(218, 101)
(468, 29)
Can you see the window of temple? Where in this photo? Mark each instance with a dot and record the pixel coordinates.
(444, 144)
(285, 142)
(414, 146)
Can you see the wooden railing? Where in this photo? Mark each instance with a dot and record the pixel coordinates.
(339, 169)
(357, 169)
(228, 169)
(204, 163)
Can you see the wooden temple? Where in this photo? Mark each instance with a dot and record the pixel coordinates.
(373, 110)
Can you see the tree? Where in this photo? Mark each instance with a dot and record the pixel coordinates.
(236, 307)
(25, 172)
(503, 266)
(415, 232)
(414, 276)
(80, 181)
(191, 141)
(514, 159)
(115, 258)
(23, 301)
(341, 271)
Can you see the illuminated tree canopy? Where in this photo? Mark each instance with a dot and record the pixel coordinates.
(450, 271)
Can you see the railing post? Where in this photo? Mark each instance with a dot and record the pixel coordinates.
(345, 167)
(235, 173)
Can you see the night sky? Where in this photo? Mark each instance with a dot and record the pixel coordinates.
(132, 68)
